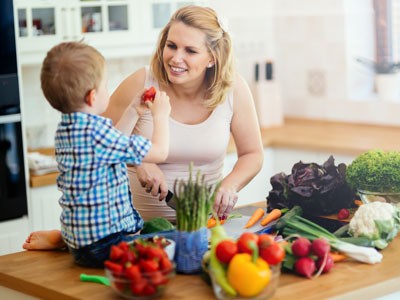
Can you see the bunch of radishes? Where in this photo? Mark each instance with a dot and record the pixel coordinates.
(311, 257)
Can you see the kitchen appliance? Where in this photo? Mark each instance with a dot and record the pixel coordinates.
(13, 198)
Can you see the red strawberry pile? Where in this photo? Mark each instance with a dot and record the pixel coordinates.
(140, 269)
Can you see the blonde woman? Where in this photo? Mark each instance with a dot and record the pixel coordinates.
(193, 64)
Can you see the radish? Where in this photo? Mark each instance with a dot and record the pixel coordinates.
(328, 265)
(305, 266)
(301, 247)
(320, 247)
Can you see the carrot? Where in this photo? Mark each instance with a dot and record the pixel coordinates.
(336, 256)
(273, 215)
(212, 222)
(257, 215)
(358, 202)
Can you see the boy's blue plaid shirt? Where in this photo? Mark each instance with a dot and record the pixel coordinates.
(92, 157)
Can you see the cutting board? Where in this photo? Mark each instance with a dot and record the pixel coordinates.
(235, 227)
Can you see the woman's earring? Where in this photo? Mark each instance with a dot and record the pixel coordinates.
(210, 65)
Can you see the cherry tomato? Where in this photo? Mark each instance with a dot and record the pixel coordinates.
(265, 240)
(243, 242)
(225, 250)
(273, 254)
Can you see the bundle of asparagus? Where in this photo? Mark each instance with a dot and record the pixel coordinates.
(194, 201)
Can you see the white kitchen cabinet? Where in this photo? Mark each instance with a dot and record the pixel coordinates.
(44, 210)
(117, 28)
(13, 234)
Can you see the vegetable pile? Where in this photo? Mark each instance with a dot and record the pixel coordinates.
(141, 269)
(194, 200)
(318, 189)
(244, 266)
(376, 171)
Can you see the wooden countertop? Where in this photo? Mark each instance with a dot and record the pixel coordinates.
(54, 275)
(306, 134)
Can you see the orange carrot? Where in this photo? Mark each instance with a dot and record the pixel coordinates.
(358, 202)
(273, 215)
(257, 215)
(336, 256)
(212, 222)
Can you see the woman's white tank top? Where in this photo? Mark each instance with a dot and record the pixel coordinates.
(204, 144)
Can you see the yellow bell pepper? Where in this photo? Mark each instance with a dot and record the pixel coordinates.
(246, 277)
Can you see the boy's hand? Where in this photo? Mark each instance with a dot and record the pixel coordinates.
(138, 104)
(160, 106)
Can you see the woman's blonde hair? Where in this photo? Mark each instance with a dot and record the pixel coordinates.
(69, 72)
(218, 42)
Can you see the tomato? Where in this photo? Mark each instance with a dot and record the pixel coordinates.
(225, 250)
(243, 242)
(116, 253)
(273, 254)
(149, 94)
(133, 272)
(264, 240)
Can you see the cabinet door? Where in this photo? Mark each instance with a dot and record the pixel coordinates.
(12, 235)
(40, 24)
(44, 210)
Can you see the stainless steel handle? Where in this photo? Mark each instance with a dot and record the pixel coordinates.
(10, 118)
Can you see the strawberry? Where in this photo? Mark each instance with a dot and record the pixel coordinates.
(343, 214)
(165, 264)
(115, 253)
(128, 256)
(138, 286)
(133, 272)
(149, 94)
(149, 290)
(147, 265)
(154, 253)
(124, 246)
(114, 267)
(157, 278)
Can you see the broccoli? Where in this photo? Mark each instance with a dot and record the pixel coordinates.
(376, 171)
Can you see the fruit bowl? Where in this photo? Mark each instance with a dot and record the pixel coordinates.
(368, 195)
(266, 293)
(150, 284)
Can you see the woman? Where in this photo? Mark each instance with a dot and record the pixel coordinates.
(193, 64)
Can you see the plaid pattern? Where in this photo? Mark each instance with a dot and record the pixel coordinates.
(92, 157)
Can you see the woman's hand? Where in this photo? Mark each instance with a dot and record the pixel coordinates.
(225, 201)
(152, 179)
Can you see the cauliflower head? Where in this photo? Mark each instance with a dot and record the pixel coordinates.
(363, 222)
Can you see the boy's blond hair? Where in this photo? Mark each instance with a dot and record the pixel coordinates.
(218, 42)
(69, 72)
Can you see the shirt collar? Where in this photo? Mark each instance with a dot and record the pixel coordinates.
(75, 117)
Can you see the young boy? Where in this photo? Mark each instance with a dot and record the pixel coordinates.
(97, 210)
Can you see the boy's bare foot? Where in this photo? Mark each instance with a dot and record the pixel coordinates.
(44, 240)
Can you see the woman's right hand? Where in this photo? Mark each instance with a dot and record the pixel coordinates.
(152, 179)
